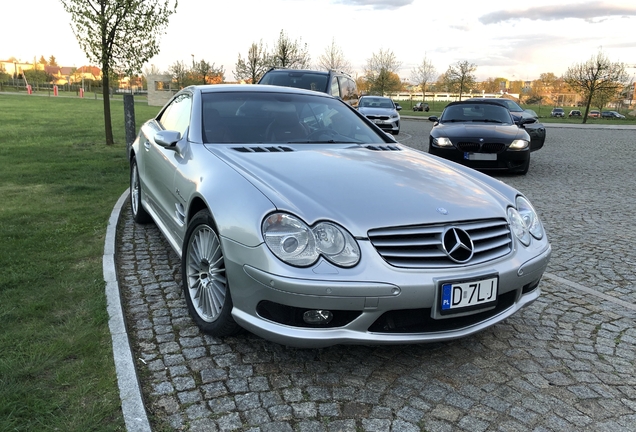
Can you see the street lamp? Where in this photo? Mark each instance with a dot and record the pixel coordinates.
(192, 60)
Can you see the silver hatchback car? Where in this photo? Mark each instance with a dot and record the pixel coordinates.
(297, 219)
(382, 111)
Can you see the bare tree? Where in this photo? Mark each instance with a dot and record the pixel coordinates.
(289, 54)
(381, 72)
(151, 70)
(254, 66)
(179, 72)
(423, 74)
(334, 59)
(598, 75)
(118, 35)
(460, 77)
(206, 73)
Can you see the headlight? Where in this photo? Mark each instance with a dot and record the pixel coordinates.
(530, 217)
(295, 243)
(524, 221)
(519, 145)
(442, 142)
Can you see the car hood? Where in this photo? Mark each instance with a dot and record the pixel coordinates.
(377, 111)
(362, 188)
(505, 133)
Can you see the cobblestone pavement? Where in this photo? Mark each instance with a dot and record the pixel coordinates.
(565, 363)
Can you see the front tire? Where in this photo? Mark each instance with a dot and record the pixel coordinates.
(139, 214)
(205, 283)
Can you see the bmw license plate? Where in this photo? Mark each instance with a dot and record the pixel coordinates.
(467, 295)
(480, 156)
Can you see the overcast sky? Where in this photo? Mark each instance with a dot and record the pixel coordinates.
(515, 40)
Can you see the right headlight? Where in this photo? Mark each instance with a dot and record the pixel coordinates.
(524, 221)
(298, 244)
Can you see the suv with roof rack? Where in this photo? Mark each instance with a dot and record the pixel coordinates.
(338, 84)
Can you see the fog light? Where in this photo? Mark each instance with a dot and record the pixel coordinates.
(317, 317)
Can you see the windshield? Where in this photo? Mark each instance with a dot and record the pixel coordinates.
(305, 80)
(376, 102)
(255, 117)
(476, 113)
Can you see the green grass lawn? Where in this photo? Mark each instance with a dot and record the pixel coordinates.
(543, 111)
(58, 185)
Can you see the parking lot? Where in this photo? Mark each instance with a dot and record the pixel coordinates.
(566, 363)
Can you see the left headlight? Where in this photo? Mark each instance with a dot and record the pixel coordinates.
(298, 244)
(442, 142)
(519, 144)
(524, 221)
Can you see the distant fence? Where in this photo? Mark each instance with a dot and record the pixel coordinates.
(20, 85)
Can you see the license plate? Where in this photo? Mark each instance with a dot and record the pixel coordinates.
(481, 156)
(466, 295)
(378, 121)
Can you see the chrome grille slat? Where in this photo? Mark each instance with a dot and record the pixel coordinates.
(421, 246)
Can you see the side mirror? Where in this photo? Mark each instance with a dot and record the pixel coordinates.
(433, 119)
(525, 121)
(167, 138)
(398, 107)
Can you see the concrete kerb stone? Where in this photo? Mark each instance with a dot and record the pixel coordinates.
(132, 405)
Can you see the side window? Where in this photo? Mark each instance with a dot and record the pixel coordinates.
(335, 87)
(349, 90)
(177, 114)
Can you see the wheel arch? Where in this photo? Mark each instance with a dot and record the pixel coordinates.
(196, 205)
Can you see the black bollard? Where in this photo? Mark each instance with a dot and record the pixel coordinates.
(129, 120)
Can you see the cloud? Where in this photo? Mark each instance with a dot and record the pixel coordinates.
(586, 11)
(377, 4)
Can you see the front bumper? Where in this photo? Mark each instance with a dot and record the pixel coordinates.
(506, 160)
(375, 303)
(387, 125)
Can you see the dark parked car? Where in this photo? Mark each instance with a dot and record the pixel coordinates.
(575, 113)
(297, 219)
(557, 112)
(529, 121)
(612, 115)
(482, 135)
(338, 84)
(531, 113)
(421, 106)
(382, 111)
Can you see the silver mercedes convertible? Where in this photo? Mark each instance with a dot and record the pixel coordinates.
(298, 219)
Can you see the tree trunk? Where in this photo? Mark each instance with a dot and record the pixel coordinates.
(587, 106)
(108, 126)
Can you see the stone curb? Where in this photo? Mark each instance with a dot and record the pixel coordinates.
(132, 404)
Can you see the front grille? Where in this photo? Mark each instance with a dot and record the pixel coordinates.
(378, 117)
(421, 246)
(481, 148)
